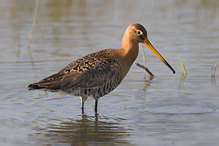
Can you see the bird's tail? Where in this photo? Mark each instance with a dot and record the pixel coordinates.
(34, 86)
(51, 83)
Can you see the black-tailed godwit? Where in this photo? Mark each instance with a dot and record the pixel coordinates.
(97, 74)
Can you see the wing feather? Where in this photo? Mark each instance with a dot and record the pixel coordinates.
(87, 72)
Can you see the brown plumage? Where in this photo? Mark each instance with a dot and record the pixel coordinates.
(99, 73)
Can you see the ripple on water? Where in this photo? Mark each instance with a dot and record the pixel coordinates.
(181, 108)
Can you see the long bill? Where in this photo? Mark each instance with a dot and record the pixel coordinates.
(150, 46)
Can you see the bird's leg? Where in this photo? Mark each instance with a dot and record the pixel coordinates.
(96, 103)
(82, 111)
(83, 99)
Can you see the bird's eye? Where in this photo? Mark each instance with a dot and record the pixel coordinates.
(139, 32)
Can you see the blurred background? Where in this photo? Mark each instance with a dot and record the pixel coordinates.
(166, 110)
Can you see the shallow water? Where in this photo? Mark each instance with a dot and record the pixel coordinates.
(166, 110)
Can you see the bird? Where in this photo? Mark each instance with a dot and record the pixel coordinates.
(99, 73)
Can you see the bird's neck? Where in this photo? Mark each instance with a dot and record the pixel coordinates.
(129, 50)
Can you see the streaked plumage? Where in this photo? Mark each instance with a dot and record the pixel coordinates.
(97, 74)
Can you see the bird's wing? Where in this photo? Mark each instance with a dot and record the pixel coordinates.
(86, 72)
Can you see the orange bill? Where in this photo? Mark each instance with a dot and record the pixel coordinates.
(150, 46)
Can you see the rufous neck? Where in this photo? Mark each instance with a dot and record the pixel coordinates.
(129, 49)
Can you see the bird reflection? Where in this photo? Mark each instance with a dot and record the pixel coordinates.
(87, 130)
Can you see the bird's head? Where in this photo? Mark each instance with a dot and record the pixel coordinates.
(138, 33)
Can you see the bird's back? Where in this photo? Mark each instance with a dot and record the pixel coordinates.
(93, 75)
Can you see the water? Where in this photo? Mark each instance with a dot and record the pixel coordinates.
(166, 110)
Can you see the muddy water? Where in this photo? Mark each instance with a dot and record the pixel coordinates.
(166, 110)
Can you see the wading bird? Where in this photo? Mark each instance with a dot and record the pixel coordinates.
(97, 74)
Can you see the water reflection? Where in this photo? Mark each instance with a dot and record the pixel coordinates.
(147, 83)
(181, 83)
(87, 130)
(213, 82)
(213, 72)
